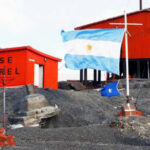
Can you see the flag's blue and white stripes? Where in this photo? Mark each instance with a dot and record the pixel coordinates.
(93, 48)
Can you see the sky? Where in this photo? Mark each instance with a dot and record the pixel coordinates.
(38, 23)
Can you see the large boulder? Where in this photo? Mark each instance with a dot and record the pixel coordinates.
(33, 109)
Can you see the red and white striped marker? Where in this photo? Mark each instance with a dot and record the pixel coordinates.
(129, 110)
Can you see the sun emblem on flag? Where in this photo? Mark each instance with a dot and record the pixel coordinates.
(89, 47)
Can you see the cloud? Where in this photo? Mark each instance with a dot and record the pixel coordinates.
(12, 18)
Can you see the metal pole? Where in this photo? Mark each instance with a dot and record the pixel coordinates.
(81, 75)
(4, 98)
(99, 76)
(140, 4)
(4, 106)
(85, 77)
(95, 75)
(148, 75)
(126, 49)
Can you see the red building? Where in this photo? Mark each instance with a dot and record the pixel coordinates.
(25, 65)
(138, 41)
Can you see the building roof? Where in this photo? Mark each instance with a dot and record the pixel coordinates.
(29, 48)
(98, 22)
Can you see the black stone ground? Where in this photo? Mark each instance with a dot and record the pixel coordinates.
(84, 121)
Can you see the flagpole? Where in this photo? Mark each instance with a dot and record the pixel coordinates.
(126, 51)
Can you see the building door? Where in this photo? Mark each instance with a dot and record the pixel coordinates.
(38, 75)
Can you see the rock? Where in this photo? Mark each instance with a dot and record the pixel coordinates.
(140, 125)
(33, 109)
(35, 101)
(29, 121)
(30, 89)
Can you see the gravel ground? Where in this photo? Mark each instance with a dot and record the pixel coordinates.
(84, 121)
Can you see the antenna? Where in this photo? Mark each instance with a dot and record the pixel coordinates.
(3, 81)
(4, 98)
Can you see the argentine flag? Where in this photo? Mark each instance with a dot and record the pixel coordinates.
(93, 48)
